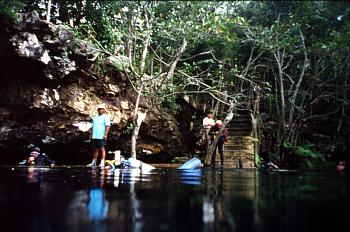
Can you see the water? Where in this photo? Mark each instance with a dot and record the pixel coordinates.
(82, 199)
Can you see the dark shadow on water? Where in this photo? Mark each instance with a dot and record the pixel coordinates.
(81, 199)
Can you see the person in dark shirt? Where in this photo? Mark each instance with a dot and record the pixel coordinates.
(38, 159)
(214, 130)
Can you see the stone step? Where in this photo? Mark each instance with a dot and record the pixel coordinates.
(234, 130)
(233, 156)
(241, 113)
(232, 145)
(240, 156)
(235, 164)
(243, 138)
(239, 126)
(237, 157)
(245, 128)
(233, 135)
(240, 119)
(240, 144)
(233, 140)
(239, 134)
(239, 122)
(245, 150)
(237, 147)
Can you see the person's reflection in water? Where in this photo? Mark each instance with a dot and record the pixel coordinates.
(208, 213)
(97, 209)
(216, 210)
(209, 210)
(30, 200)
(225, 218)
(33, 175)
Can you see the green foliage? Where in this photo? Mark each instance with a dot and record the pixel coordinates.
(307, 153)
(128, 129)
(10, 8)
(170, 104)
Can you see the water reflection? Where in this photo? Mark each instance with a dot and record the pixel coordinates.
(98, 205)
(191, 176)
(80, 199)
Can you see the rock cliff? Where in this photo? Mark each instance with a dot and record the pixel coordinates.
(49, 93)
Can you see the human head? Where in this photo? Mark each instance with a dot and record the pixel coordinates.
(101, 108)
(210, 114)
(35, 152)
(36, 149)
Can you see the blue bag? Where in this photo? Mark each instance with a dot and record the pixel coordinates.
(191, 164)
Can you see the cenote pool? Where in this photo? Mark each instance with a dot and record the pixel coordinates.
(83, 199)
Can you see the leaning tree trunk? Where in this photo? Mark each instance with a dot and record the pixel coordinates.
(212, 147)
(137, 121)
(140, 117)
(48, 11)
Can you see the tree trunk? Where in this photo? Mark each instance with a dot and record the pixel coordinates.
(279, 61)
(137, 120)
(173, 64)
(145, 42)
(256, 139)
(48, 11)
(140, 117)
(255, 126)
(216, 109)
(170, 73)
(296, 91)
(282, 121)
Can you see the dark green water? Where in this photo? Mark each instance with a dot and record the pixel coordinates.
(81, 199)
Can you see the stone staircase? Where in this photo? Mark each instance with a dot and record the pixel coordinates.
(240, 142)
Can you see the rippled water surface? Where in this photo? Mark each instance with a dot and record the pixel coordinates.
(83, 199)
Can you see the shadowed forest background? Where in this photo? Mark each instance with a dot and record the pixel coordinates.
(286, 63)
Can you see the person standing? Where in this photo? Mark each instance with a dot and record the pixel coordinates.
(98, 135)
(208, 122)
(214, 131)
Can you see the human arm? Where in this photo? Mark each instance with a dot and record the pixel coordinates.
(91, 128)
(106, 132)
(48, 161)
(107, 124)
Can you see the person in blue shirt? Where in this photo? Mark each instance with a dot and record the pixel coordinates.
(98, 135)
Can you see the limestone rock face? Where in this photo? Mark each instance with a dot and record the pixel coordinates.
(49, 96)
